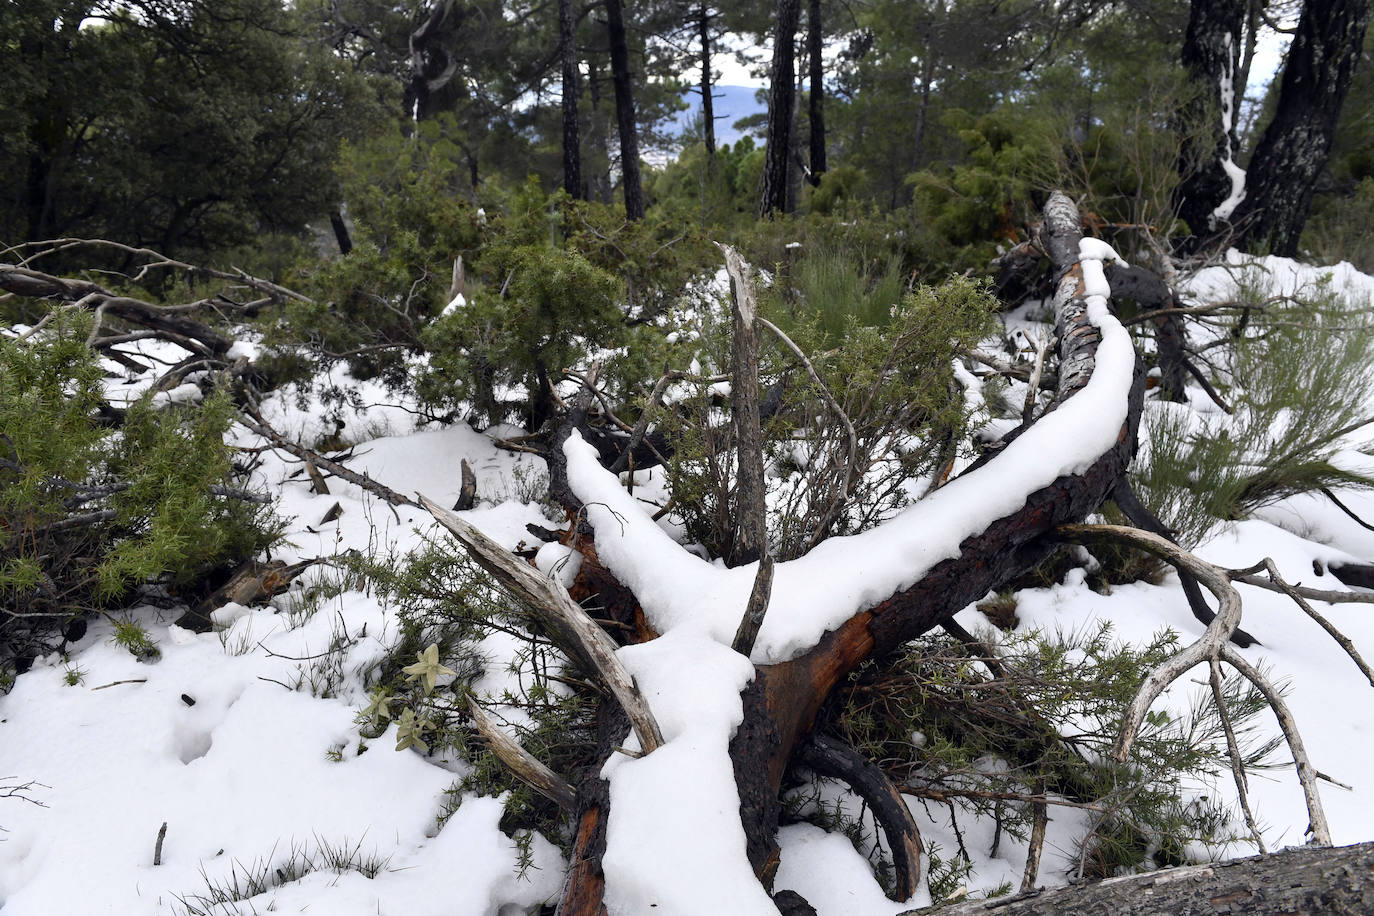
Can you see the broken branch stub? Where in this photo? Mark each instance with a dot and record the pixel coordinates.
(521, 762)
(567, 623)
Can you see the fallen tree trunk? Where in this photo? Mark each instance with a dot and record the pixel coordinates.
(780, 703)
(1308, 879)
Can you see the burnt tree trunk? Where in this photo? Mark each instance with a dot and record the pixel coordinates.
(781, 76)
(781, 704)
(1207, 121)
(1294, 148)
(625, 110)
(567, 50)
(1307, 879)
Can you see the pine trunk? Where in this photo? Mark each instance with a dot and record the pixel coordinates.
(817, 99)
(1207, 122)
(572, 158)
(781, 704)
(1295, 145)
(708, 111)
(625, 111)
(780, 100)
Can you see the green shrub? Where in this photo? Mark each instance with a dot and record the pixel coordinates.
(894, 381)
(1297, 380)
(89, 513)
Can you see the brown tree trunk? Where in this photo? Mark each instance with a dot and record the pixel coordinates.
(780, 100)
(1295, 145)
(625, 111)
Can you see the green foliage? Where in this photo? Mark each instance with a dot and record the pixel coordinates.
(1297, 382)
(1341, 228)
(1040, 715)
(894, 380)
(187, 127)
(88, 513)
(131, 635)
(244, 882)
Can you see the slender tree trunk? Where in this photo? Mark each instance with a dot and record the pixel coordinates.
(625, 111)
(1207, 121)
(336, 222)
(814, 42)
(601, 181)
(780, 98)
(1295, 145)
(708, 111)
(572, 158)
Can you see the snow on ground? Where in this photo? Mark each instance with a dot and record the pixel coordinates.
(224, 742)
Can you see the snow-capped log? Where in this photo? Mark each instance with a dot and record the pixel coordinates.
(732, 725)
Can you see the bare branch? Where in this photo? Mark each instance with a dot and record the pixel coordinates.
(526, 767)
(568, 624)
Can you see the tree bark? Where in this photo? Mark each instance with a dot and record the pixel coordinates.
(1293, 151)
(815, 112)
(780, 100)
(625, 111)
(1306, 879)
(1207, 121)
(572, 159)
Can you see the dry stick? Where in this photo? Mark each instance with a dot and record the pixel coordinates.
(843, 496)
(157, 849)
(567, 622)
(1037, 842)
(136, 680)
(1033, 385)
(1346, 509)
(521, 762)
(1307, 774)
(1233, 750)
(255, 422)
(751, 533)
(1341, 639)
(316, 478)
(755, 610)
(1315, 594)
(641, 426)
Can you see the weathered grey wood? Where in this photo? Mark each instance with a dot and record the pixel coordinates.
(568, 625)
(521, 762)
(751, 536)
(1306, 879)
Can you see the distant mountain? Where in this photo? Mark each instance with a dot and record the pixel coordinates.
(731, 104)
